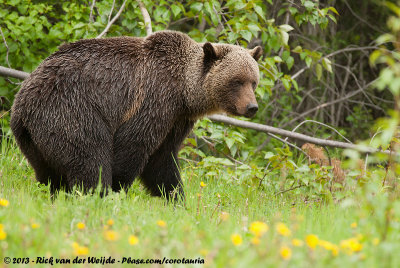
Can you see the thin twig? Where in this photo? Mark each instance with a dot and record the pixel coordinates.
(91, 20)
(8, 50)
(322, 124)
(112, 21)
(146, 18)
(111, 11)
(290, 189)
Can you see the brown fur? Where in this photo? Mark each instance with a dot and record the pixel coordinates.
(124, 105)
(317, 155)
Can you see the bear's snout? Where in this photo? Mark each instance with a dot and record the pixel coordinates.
(251, 109)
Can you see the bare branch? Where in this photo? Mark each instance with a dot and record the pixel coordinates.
(146, 18)
(112, 21)
(7, 72)
(290, 134)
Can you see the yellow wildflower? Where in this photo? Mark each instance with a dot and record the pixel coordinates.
(111, 235)
(224, 216)
(258, 228)
(255, 241)
(202, 184)
(133, 240)
(110, 222)
(161, 223)
(4, 202)
(3, 235)
(283, 229)
(297, 242)
(325, 244)
(353, 225)
(79, 250)
(351, 245)
(80, 225)
(236, 239)
(286, 252)
(203, 252)
(312, 241)
(375, 241)
(335, 250)
(35, 225)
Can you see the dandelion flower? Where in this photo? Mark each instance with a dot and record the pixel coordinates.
(202, 184)
(258, 228)
(4, 202)
(283, 229)
(110, 222)
(285, 252)
(353, 225)
(80, 225)
(236, 239)
(111, 235)
(161, 223)
(297, 242)
(255, 241)
(335, 250)
(351, 245)
(3, 235)
(325, 244)
(203, 252)
(79, 250)
(312, 241)
(133, 240)
(224, 216)
(35, 225)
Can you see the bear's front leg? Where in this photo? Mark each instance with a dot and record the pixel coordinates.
(161, 173)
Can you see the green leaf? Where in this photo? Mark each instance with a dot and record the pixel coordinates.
(374, 56)
(246, 35)
(290, 62)
(277, 59)
(318, 70)
(268, 155)
(175, 10)
(196, 7)
(298, 49)
(286, 83)
(308, 61)
(334, 10)
(327, 64)
(259, 11)
(286, 27)
(284, 37)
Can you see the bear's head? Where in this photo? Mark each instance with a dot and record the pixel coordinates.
(231, 77)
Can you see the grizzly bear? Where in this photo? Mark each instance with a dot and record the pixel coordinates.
(118, 108)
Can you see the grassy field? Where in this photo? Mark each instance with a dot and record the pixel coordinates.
(227, 225)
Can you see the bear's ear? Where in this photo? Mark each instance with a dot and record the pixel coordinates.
(256, 52)
(210, 55)
(209, 52)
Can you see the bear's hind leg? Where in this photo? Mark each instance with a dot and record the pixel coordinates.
(44, 173)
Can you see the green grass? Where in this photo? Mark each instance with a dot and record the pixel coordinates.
(194, 230)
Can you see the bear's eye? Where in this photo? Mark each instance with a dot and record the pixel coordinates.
(254, 84)
(237, 82)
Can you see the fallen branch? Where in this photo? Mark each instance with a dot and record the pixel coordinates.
(7, 72)
(290, 134)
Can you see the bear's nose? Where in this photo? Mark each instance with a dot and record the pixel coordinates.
(251, 109)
